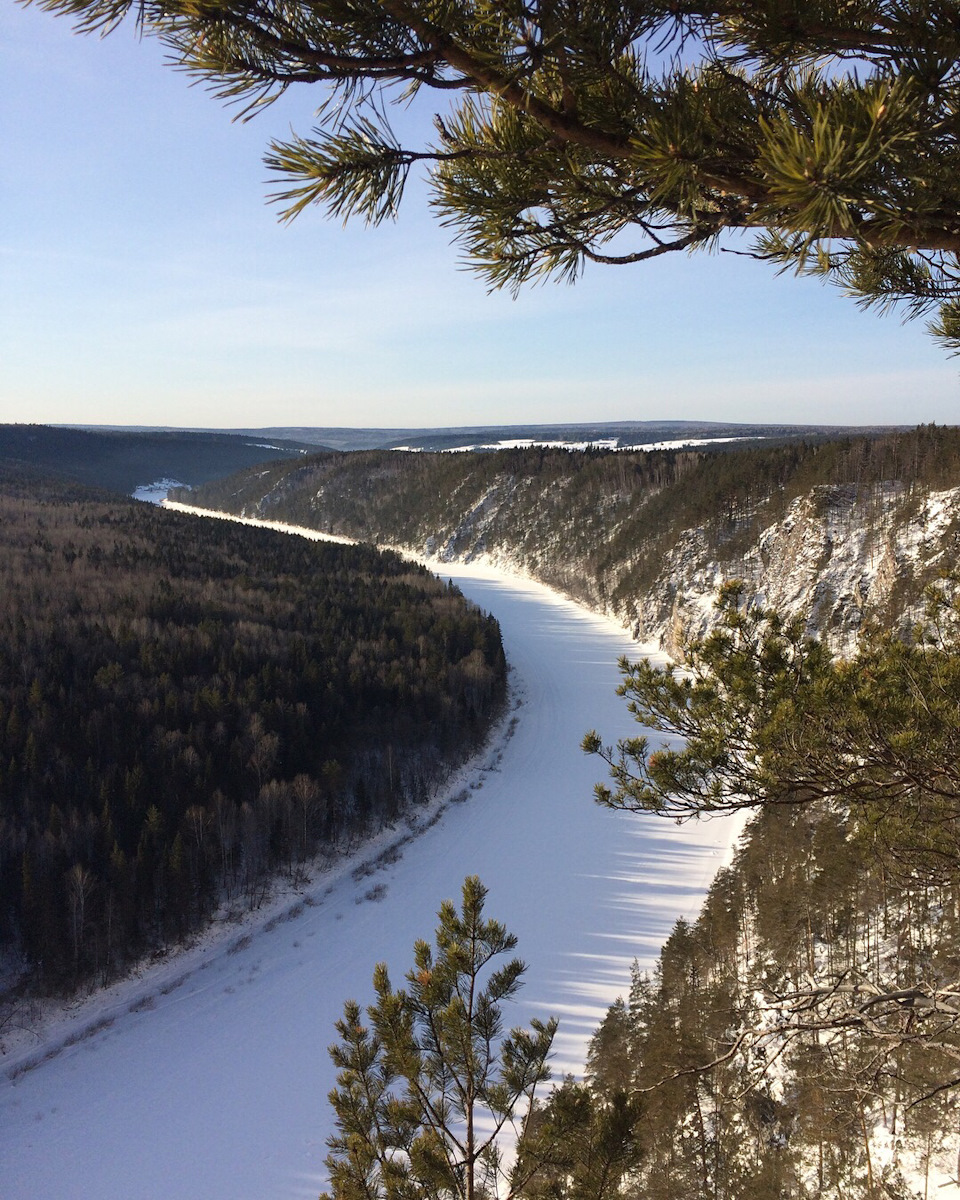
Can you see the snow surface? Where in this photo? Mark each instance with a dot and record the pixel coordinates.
(209, 1073)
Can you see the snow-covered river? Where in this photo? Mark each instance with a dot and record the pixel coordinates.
(217, 1087)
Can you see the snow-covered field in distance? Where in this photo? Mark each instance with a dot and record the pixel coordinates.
(216, 1087)
(595, 444)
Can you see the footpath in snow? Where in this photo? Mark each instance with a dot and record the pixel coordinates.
(208, 1077)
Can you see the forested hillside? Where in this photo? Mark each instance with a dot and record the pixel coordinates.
(850, 528)
(799, 1039)
(189, 706)
(125, 460)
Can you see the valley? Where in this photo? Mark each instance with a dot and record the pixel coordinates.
(820, 901)
(231, 1067)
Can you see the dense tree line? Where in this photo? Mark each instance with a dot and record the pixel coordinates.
(596, 524)
(187, 706)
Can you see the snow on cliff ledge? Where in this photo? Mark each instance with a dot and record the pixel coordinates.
(831, 557)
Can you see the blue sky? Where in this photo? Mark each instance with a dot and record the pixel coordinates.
(144, 279)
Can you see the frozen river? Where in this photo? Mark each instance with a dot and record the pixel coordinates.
(216, 1088)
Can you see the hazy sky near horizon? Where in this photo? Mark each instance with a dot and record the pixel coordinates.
(145, 280)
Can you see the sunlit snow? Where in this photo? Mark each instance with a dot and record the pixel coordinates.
(611, 443)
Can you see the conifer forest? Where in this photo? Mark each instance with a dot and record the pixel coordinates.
(187, 707)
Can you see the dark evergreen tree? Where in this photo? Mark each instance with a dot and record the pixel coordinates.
(430, 1083)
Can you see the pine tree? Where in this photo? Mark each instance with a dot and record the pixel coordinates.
(768, 716)
(616, 131)
(430, 1087)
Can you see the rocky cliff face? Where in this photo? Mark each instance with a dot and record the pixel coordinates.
(832, 557)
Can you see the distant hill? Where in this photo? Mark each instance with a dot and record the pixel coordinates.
(612, 434)
(124, 461)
